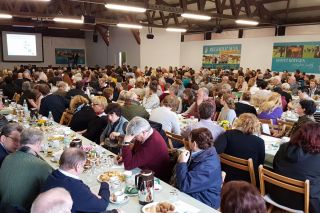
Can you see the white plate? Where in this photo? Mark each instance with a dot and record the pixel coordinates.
(126, 199)
(154, 203)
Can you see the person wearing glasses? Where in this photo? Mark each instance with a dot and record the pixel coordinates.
(9, 139)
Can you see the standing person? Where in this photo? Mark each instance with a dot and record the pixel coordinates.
(22, 173)
(9, 140)
(201, 177)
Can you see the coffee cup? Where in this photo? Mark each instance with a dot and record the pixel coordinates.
(77, 142)
(119, 196)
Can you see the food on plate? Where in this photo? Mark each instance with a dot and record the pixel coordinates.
(56, 138)
(105, 177)
(162, 207)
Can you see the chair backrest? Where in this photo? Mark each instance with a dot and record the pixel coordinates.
(16, 97)
(302, 187)
(284, 126)
(272, 126)
(174, 137)
(66, 118)
(241, 164)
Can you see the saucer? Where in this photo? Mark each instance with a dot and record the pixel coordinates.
(126, 199)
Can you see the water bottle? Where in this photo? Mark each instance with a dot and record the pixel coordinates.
(50, 118)
(25, 105)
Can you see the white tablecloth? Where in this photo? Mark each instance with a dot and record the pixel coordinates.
(132, 206)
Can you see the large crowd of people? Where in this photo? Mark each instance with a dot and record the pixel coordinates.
(128, 110)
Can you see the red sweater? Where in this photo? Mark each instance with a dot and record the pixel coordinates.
(152, 154)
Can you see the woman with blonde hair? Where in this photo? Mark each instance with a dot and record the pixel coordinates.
(227, 112)
(97, 125)
(83, 113)
(241, 84)
(272, 108)
(242, 142)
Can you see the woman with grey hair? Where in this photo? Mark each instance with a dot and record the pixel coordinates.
(22, 173)
(140, 146)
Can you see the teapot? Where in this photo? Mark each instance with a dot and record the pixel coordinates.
(144, 183)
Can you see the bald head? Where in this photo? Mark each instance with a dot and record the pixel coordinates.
(71, 158)
(56, 200)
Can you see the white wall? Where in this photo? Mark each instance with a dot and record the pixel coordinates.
(256, 52)
(121, 40)
(49, 45)
(163, 50)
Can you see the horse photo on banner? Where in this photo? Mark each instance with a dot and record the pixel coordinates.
(292, 56)
(221, 56)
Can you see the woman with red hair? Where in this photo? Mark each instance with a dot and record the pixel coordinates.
(300, 159)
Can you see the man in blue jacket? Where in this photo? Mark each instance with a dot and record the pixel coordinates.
(67, 176)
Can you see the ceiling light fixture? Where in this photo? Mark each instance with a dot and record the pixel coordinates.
(247, 22)
(195, 16)
(5, 16)
(125, 8)
(180, 30)
(69, 20)
(132, 26)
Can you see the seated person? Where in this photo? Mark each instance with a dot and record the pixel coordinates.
(206, 110)
(98, 124)
(227, 112)
(132, 107)
(272, 108)
(54, 200)
(78, 90)
(201, 177)
(240, 196)
(9, 139)
(305, 111)
(83, 113)
(202, 95)
(166, 116)
(148, 151)
(51, 103)
(244, 106)
(23, 172)
(299, 159)
(116, 125)
(71, 166)
(151, 100)
(242, 142)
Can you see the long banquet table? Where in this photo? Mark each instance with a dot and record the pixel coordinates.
(187, 203)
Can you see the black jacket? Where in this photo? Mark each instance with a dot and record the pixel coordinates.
(244, 108)
(54, 103)
(235, 143)
(95, 128)
(81, 119)
(291, 161)
(73, 92)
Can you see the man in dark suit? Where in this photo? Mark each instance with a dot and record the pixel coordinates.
(67, 176)
(244, 105)
(51, 103)
(77, 91)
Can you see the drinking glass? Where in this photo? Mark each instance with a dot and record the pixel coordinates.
(174, 194)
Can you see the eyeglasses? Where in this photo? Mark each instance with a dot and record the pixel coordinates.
(16, 140)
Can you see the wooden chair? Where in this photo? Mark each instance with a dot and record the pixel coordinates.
(174, 137)
(286, 183)
(216, 115)
(16, 97)
(66, 118)
(241, 164)
(284, 126)
(269, 122)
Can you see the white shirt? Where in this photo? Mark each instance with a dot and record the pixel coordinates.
(151, 102)
(167, 118)
(69, 174)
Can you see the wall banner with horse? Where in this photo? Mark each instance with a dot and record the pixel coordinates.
(303, 56)
(221, 56)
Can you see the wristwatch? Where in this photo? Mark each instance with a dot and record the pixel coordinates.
(126, 143)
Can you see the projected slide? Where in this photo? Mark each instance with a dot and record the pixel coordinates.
(23, 45)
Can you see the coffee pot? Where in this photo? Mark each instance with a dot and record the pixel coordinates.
(144, 183)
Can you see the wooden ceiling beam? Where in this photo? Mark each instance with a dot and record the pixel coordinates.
(295, 10)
